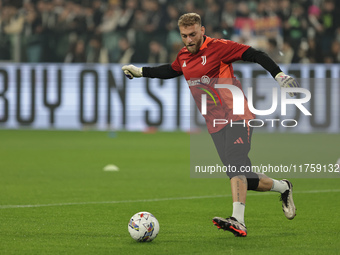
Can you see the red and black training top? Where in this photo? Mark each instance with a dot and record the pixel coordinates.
(211, 65)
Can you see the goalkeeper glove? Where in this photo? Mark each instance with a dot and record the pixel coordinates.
(132, 71)
(287, 81)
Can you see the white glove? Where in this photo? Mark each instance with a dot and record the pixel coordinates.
(132, 71)
(287, 81)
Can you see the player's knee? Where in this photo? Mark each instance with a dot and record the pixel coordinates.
(252, 178)
(253, 182)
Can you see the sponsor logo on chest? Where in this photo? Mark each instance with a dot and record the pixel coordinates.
(203, 80)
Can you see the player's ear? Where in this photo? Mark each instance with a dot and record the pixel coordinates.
(202, 30)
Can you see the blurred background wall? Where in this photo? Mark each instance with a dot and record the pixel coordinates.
(145, 31)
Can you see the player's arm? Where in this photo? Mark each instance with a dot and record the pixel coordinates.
(161, 72)
(256, 56)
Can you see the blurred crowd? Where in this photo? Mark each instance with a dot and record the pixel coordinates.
(145, 31)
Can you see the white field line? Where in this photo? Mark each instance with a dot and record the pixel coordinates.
(164, 199)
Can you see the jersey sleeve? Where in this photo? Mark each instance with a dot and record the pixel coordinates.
(232, 51)
(176, 65)
(263, 59)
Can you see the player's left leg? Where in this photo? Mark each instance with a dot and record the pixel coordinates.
(284, 187)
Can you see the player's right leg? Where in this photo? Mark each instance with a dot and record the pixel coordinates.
(231, 224)
(233, 145)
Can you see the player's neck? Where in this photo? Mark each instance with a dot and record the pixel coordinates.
(204, 37)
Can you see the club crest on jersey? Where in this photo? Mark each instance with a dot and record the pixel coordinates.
(204, 60)
(184, 64)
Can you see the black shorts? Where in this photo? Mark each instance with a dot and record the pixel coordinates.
(233, 145)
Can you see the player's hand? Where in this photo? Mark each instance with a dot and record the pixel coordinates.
(287, 81)
(132, 71)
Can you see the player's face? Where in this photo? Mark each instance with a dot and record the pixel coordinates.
(192, 37)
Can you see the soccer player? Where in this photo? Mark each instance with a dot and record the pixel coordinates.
(211, 59)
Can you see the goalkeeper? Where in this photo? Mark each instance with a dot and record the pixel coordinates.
(202, 61)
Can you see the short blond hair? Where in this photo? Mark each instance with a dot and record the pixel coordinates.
(189, 19)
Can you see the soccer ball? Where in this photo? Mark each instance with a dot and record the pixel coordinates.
(143, 227)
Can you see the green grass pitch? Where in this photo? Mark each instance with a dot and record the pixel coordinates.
(77, 208)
